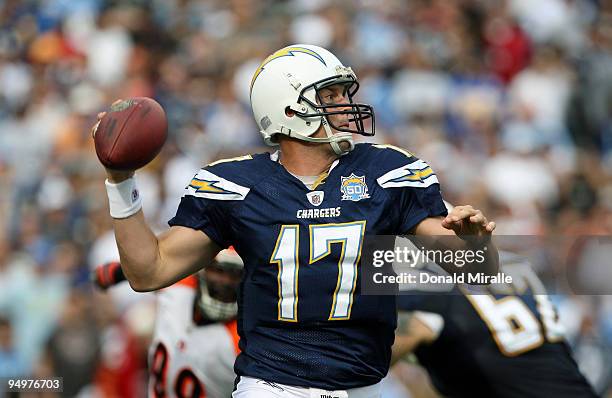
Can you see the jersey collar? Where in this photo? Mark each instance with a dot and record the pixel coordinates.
(275, 157)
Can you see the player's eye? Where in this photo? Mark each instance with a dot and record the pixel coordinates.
(326, 98)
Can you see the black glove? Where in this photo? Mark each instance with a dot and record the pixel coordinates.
(107, 275)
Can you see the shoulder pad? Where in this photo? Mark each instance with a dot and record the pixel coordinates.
(381, 157)
(393, 151)
(400, 168)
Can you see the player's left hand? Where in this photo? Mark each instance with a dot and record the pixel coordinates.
(468, 222)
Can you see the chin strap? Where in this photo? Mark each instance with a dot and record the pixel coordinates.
(333, 139)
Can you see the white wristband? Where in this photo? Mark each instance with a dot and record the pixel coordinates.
(123, 198)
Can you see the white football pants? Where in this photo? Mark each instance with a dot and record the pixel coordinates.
(249, 387)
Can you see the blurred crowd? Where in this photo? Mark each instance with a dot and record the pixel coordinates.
(510, 101)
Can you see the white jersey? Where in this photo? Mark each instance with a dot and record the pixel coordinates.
(186, 360)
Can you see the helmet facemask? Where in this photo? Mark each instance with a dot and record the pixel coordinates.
(357, 112)
(318, 109)
(219, 291)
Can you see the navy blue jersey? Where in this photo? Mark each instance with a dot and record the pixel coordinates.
(502, 344)
(302, 320)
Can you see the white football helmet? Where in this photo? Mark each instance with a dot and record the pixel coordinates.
(285, 98)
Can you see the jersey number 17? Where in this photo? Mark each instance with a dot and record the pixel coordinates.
(321, 236)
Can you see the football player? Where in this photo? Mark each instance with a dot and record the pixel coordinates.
(503, 342)
(298, 218)
(195, 341)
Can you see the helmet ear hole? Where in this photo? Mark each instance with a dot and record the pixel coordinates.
(289, 112)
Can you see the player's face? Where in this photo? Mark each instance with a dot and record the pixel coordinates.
(335, 94)
(222, 284)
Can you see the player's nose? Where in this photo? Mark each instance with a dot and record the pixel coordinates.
(344, 104)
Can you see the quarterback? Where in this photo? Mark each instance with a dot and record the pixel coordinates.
(298, 218)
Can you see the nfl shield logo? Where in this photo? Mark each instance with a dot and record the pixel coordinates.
(315, 197)
(354, 188)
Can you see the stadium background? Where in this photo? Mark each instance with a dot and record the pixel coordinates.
(509, 101)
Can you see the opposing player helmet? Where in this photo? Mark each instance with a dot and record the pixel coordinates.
(285, 97)
(219, 286)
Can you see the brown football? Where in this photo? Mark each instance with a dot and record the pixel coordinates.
(131, 134)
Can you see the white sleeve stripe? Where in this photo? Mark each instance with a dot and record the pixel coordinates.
(210, 186)
(414, 184)
(417, 174)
